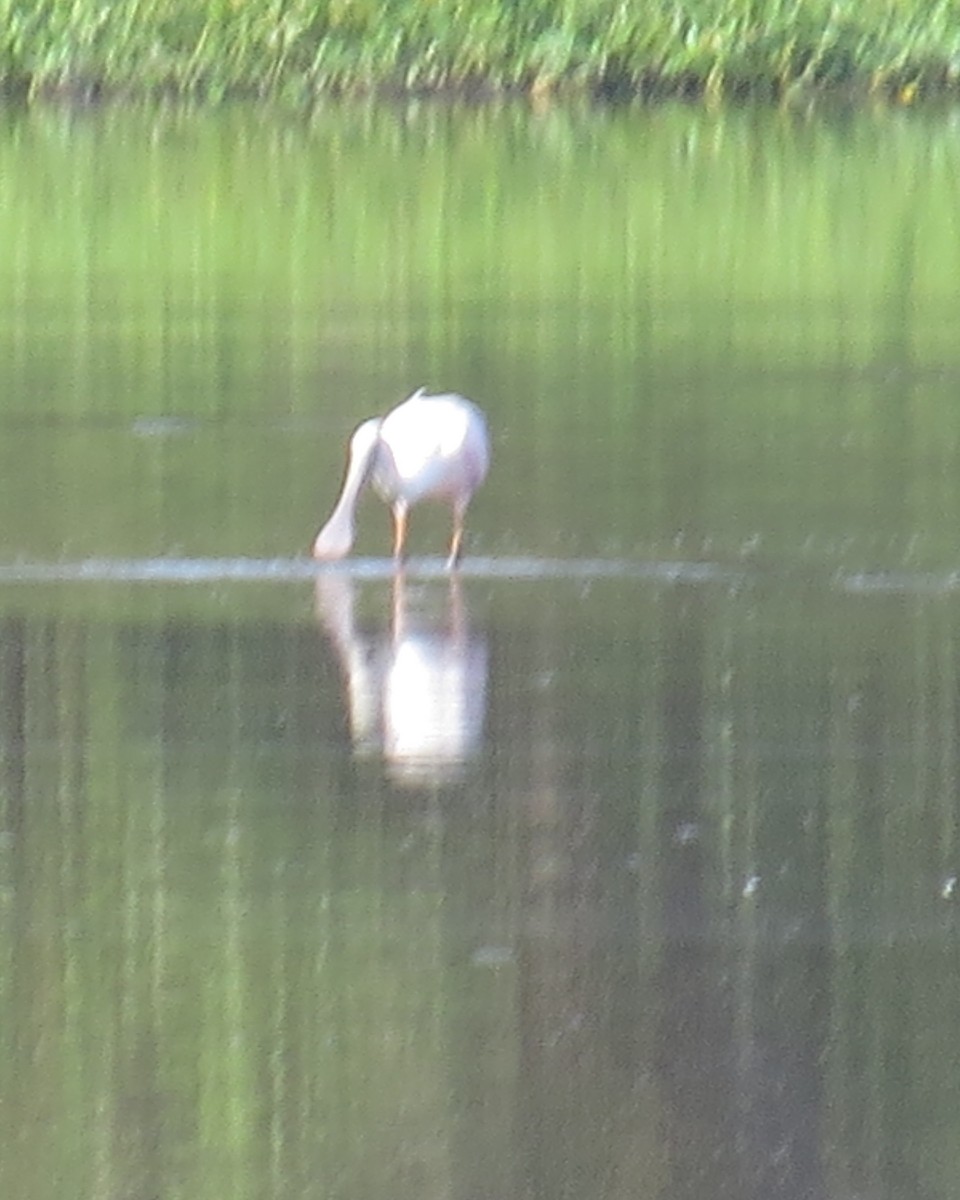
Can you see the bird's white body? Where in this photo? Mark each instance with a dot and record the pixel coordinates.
(428, 447)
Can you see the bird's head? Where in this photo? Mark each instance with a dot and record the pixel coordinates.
(335, 539)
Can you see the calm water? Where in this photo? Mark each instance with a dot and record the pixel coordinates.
(624, 865)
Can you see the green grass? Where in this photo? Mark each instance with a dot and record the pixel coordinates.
(298, 49)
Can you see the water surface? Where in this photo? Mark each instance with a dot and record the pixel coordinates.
(623, 862)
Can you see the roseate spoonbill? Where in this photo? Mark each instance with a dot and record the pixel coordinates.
(427, 447)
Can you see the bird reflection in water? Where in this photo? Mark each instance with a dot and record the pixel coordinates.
(416, 692)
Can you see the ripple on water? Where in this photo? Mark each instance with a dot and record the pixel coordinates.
(207, 570)
(192, 570)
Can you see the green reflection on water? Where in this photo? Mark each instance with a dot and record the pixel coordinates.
(685, 914)
(711, 330)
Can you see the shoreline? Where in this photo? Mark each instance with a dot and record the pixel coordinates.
(602, 51)
(95, 92)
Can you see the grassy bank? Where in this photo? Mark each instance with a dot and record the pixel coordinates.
(297, 49)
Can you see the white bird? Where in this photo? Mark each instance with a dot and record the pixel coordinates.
(433, 447)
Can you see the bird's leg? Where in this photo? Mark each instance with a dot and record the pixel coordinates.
(456, 541)
(399, 530)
